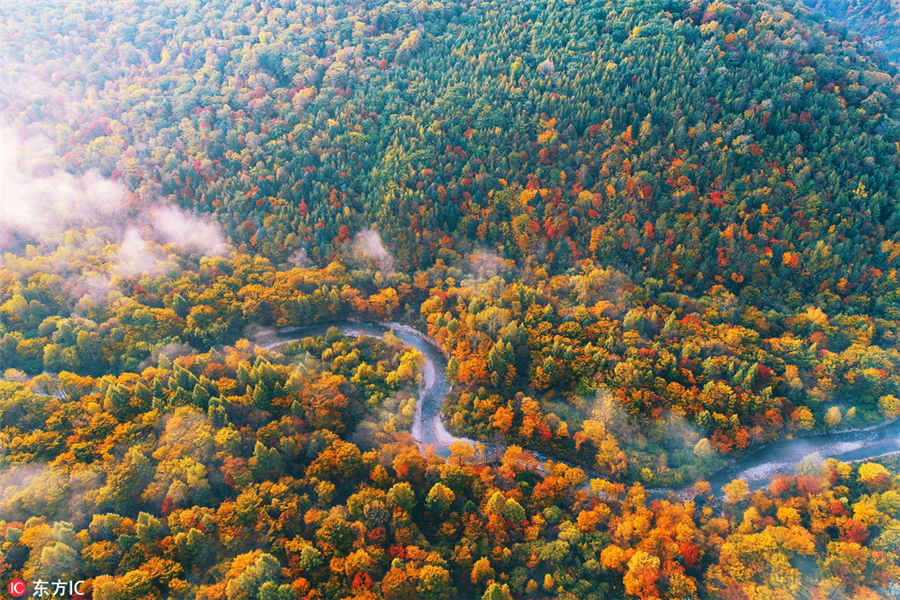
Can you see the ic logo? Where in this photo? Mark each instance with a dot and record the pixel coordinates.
(17, 588)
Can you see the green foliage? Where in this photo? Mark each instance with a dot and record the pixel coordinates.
(692, 143)
(653, 388)
(645, 234)
(878, 21)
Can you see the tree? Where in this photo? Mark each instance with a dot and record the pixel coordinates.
(434, 583)
(642, 574)
(440, 498)
(833, 416)
(496, 591)
(261, 569)
(889, 406)
(402, 495)
(482, 571)
(271, 591)
(736, 491)
(874, 476)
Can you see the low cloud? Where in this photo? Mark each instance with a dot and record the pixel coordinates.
(41, 490)
(485, 264)
(20, 496)
(40, 202)
(300, 258)
(188, 232)
(136, 257)
(166, 354)
(92, 288)
(367, 244)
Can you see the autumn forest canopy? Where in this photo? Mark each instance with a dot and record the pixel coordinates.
(649, 238)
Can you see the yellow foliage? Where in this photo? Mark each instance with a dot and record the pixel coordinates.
(889, 406)
(815, 315)
(867, 513)
(643, 571)
(788, 516)
(548, 582)
(871, 471)
(548, 136)
(703, 448)
(736, 491)
(833, 416)
(612, 558)
(803, 419)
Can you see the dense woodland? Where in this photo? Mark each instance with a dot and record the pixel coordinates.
(648, 236)
(226, 475)
(749, 148)
(878, 21)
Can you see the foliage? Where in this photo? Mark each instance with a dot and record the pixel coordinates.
(751, 148)
(878, 21)
(161, 497)
(629, 382)
(648, 236)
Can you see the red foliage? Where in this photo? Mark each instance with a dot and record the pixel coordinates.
(782, 483)
(808, 485)
(362, 581)
(689, 554)
(854, 531)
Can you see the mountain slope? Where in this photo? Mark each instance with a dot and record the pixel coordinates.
(749, 147)
(649, 237)
(878, 21)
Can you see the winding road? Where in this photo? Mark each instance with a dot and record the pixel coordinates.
(756, 467)
(428, 429)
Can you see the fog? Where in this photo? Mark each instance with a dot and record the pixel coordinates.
(40, 202)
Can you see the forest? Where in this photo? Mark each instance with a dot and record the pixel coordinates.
(877, 20)
(649, 238)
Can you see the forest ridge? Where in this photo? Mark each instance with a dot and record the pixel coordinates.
(877, 21)
(649, 238)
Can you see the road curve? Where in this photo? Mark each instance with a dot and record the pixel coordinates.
(428, 428)
(756, 468)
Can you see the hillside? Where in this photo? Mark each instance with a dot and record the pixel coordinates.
(878, 21)
(650, 238)
(751, 148)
